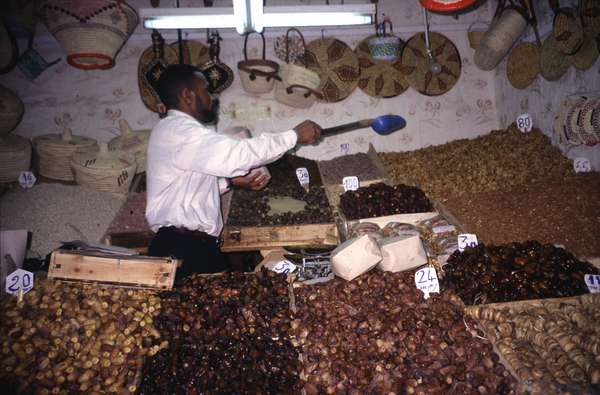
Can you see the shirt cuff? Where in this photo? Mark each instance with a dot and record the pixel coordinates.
(224, 185)
(291, 137)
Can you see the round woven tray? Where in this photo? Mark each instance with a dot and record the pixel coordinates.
(523, 65)
(586, 56)
(379, 78)
(568, 31)
(553, 63)
(132, 142)
(416, 65)
(15, 157)
(195, 53)
(11, 110)
(104, 170)
(590, 15)
(55, 151)
(149, 74)
(337, 66)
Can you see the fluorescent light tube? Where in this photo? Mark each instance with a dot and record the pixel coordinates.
(188, 18)
(331, 15)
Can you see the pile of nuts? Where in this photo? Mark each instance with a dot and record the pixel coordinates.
(251, 208)
(515, 271)
(498, 160)
(227, 334)
(360, 165)
(378, 335)
(379, 199)
(551, 341)
(65, 338)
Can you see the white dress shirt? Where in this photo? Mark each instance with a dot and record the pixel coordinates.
(187, 165)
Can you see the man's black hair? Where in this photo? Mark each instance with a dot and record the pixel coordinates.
(173, 80)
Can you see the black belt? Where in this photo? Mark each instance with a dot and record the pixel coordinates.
(197, 234)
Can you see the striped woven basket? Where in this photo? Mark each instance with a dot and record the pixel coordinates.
(132, 142)
(15, 157)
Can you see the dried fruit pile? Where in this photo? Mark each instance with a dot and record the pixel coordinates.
(227, 334)
(550, 341)
(377, 335)
(380, 199)
(359, 165)
(77, 339)
(251, 208)
(495, 161)
(515, 271)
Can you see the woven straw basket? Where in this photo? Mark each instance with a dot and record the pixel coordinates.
(15, 157)
(132, 142)
(553, 63)
(475, 33)
(55, 151)
(91, 31)
(11, 110)
(104, 170)
(523, 65)
(586, 56)
(257, 75)
(498, 40)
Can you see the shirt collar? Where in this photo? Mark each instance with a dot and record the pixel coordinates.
(177, 113)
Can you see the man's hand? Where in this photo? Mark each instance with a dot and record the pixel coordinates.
(308, 132)
(255, 180)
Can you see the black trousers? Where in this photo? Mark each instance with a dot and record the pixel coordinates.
(199, 253)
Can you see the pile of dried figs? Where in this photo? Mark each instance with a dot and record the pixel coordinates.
(515, 271)
(378, 335)
(227, 334)
(379, 199)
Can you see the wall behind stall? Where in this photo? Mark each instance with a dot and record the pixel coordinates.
(542, 99)
(91, 102)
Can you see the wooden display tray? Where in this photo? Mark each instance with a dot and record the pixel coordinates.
(120, 270)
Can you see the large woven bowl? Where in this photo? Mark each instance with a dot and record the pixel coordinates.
(11, 110)
(91, 31)
(523, 65)
(15, 157)
(132, 142)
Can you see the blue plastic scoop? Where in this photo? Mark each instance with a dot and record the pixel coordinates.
(383, 125)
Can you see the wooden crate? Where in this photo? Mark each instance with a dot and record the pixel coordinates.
(135, 271)
(254, 238)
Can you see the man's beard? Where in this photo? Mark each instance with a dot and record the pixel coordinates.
(209, 116)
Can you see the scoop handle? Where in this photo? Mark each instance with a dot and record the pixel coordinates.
(347, 127)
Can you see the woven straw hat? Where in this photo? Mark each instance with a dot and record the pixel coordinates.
(416, 64)
(11, 110)
(553, 63)
(55, 152)
(568, 30)
(104, 170)
(523, 65)
(15, 157)
(132, 142)
(586, 56)
(337, 66)
(379, 78)
(91, 31)
(149, 71)
(195, 53)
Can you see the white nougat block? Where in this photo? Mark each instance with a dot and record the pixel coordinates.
(401, 253)
(355, 257)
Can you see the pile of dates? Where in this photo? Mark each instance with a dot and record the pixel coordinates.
(227, 334)
(251, 208)
(515, 271)
(378, 335)
(379, 199)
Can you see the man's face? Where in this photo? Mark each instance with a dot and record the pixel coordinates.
(206, 106)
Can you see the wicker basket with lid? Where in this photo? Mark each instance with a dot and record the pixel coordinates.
(132, 142)
(55, 152)
(15, 157)
(11, 110)
(105, 170)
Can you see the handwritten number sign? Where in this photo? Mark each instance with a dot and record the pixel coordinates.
(19, 280)
(350, 183)
(524, 123)
(284, 267)
(345, 148)
(466, 240)
(593, 283)
(303, 177)
(426, 280)
(26, 179)
(582, 165)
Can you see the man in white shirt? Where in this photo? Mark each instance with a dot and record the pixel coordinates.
(189, 165)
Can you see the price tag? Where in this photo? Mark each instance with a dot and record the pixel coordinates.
(350, 183)
(19, 281)
(466, 240)
(443, 229)
(582, 165)
(524, 123)
(284, 267)
(26, 179)
(426, 280)
(593, 282)
(303, 177)
(345, 148)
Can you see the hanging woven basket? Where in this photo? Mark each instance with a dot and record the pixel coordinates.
(91, 31)
(15, 157)
(447, 5)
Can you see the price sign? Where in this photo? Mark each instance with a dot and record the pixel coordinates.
(284, 267)
(582, 165)
(350, 183)
(524, 123)
(303, 177)
(26, 179)
(345, 148)
(593, 282)
(19, 280)
(426, 280)
(466, 240)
